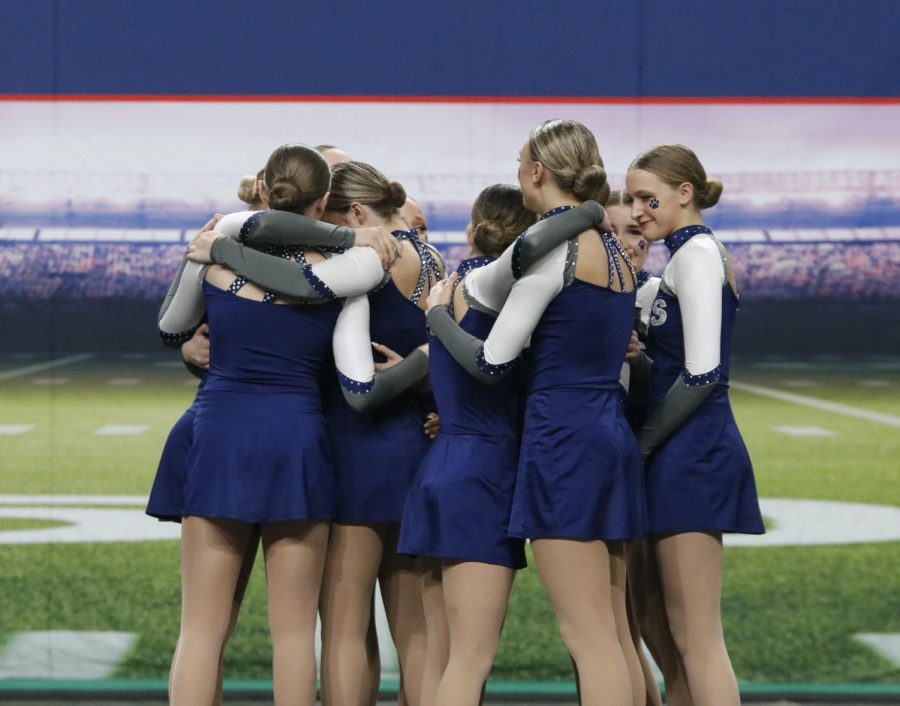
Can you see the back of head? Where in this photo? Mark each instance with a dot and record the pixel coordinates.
(248, 190)
(676, 165)
(498, 217)
(618, 198)
(569, 151)
(362, 183)
(296, 176)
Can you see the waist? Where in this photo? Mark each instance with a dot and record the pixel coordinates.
(260, 384)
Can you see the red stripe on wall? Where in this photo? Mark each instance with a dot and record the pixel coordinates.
(609, 100)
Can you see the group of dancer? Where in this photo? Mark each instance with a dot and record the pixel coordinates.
(367, 417)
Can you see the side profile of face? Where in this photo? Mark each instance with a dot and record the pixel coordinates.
(658, 208)
(629, 234)
(414, 217)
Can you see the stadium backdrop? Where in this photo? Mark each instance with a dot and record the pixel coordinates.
(123, 125)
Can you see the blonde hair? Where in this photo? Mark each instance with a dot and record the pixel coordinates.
(569, 151)
(296, 176)
(498, 217)
(618, 198)
(676, 165)
(361, 182)
(248, 190)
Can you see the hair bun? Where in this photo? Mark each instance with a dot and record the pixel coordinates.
(396, 194)
(590, 183)
(710, 197)
(490, 236)
(285, 195)
(247, 190)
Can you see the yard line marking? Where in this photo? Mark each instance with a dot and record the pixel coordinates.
(50, 381)
(135, 356)
(15, 429)
(125, 381)
(64, 654)
(824, 405)
(169, 364)
(876, 383)
(136, 500)
(804, 431)
(122, 430)
(28, 369)
(783, 365)
(801, 383)
(886, 644)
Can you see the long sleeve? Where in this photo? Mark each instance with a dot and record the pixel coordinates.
(490, 360)
(286, 228)
(365, 389)
(491, 284)
(696, 276)
(354, 272)
(183, 307)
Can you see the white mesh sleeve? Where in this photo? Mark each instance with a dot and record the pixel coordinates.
(184, 307)
(353, 272)
(696, 276)
(352, 343)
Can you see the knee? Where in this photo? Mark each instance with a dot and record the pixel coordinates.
(584, 638)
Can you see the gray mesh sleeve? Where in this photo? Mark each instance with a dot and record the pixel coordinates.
(388, 384)
(285, 228)
(679, 404)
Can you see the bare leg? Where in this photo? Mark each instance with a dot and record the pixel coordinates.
(649, 612)
(401, 590)
(438, 639)
(690, 566)
(619, 590)
(476, 596)
(373, 655)
(353, 557)
(577, 577)
(295, 559)
(243, 580)
(212, 552)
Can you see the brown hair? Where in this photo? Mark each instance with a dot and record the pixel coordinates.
(498, 216)
(677, 164)
(569, 151)
(248, 190)
(361, 182)
(296, 176)
(619, 198)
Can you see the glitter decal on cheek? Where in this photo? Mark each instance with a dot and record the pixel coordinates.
(654, 203)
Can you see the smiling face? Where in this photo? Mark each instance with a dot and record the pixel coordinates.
(659, 208)
(629, 234)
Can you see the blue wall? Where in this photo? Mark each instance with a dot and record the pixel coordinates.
(731, 48)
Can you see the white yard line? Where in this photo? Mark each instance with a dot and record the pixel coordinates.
(824, 405)
(37, 367)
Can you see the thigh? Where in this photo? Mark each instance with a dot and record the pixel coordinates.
(476, 596)
(690, 568)
(295, 558)
(351, 568)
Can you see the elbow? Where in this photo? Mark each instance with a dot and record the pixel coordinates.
(702, 379)
(358, 394)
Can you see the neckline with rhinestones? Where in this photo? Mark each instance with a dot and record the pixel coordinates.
(472, 263)
(555, 211)
(682, 235)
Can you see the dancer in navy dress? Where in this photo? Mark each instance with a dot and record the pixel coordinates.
(377, 443)
(699, 479)
(259, 453)
(457, 512)
(578, 491)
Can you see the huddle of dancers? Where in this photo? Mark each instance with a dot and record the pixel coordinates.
(598, 431)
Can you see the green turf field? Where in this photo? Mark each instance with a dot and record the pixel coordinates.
(791, 612)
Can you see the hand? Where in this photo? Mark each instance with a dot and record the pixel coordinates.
(381, 241)
(432, 425)
(200, 249)
(605, 225)
(196, 350)
(392, 357)
(441, 292)
(634, 348)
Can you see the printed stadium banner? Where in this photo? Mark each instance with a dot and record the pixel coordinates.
(113, 152)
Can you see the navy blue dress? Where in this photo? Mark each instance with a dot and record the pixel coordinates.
(166, 501)
(579, 473)
(377, 454)
(459, 503)
(260, 452)
(700, 478)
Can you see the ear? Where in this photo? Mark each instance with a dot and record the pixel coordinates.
(263, 192)
(685, 194)
(319, 206)
(357, 214)
(470, 235)
(537, 173)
